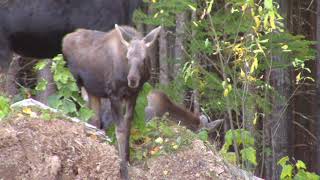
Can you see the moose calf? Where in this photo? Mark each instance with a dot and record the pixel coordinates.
(112, 65)
(159, 104)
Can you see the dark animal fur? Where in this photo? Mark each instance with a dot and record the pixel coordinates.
(35, 28)
(159, 104)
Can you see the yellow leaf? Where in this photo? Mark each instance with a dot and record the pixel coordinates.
(298, 78)
(242, 74)
(155, 15)
(255, 119)
(165, 172)
(244, 7)
(251, 78)
(159, 140)
(175, 146)
(154, 1)
(258, 22)
(225, 92)
(27, 110)
(272, 21)
(284, 47)
(254, 65)
(154, 150)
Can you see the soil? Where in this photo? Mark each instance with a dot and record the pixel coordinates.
(56, 149)
(33, 148)
(196, 162)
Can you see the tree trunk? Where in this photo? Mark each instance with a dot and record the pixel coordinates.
(154, 57)
(179, 54)
(266, 170)
(163, 58)
(280, 116)
(318, 87)
(46, 74)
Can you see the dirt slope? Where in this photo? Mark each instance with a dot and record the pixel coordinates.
(38, 149)
(34, 148)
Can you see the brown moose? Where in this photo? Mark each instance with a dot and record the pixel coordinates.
(112, 65)
(159, 104)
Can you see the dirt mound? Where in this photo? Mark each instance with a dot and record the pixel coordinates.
(56, 149)
(196, 162)
(34, 147)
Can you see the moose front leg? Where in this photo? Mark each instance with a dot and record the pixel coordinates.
(123, 136)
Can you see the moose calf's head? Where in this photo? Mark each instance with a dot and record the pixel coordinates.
(137, 48)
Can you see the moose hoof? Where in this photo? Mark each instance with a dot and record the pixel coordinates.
(124, 171)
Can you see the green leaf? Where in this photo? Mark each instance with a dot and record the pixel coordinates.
(283, 161)
(85, 114)
(54, 101)
(249, 154)
(41, 64)
(68, 106)
(165, 130)
(286, 171)
(42, 85)
(4, 107)
(268, 4)
(302, 174)
(300, 165)
(312, 176)
(228, 138)
(230, 157)
(203, 135)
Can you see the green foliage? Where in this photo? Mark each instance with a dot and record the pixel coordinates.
(295, 171)
(139, 116)
(157, 138)
(164, 12)
(203, 135)
(4, 107)
(42, 85)
(231, 46)
(67, 97)
(174, 89)
(138, 124)
(240, 137)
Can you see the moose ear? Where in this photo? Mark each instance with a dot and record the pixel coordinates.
(124, 36)
(152, 36)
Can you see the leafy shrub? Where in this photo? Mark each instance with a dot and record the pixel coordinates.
(67, 98)
(4, 107)
(243, 138)
(295, 171)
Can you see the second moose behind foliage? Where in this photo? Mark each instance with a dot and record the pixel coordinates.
(159, 104)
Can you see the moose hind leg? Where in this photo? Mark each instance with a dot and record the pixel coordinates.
(5, 58)
(5, 54)
(95, 104)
